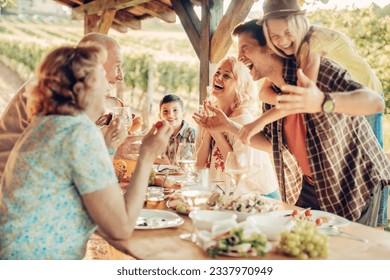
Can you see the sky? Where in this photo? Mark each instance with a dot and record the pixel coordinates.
(339, 4)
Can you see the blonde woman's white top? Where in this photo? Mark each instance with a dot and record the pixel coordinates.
(261, 176)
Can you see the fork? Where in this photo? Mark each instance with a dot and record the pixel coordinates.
(164, 169)
(165, 178)
(347, 234)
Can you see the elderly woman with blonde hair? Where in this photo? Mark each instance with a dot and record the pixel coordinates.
(59, 183)
(233, 91)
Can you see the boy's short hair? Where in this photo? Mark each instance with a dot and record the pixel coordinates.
(171, 98)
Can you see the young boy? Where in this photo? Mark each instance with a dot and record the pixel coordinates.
(172, 110)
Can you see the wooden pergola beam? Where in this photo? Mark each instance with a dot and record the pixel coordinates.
(221, 41)
(163, 13)
(127, 20)
(210, 36)
(205, 51)
(119, 27)
(70, 3)
(190, 22)
(78, 2)
(95, 7)
(90, 23)
(106, 21)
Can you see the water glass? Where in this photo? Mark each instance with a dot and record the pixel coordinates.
(124, 113)
(155, 198)
(186, 158)
(197, 195)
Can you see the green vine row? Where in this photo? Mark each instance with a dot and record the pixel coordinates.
(169, 76)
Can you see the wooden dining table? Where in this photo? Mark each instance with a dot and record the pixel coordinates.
(166, 244)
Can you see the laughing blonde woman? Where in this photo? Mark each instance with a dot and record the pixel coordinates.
(233, 91)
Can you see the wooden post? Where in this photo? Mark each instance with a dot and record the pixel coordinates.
(106, 21)
(204, 51)
(216, 11)
(147, 108)
(190, 21)
(90, 23)
(221, 39)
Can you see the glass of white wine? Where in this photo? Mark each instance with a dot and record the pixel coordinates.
(236, 169)
(186, 158)
(124, 113)
(197, 195)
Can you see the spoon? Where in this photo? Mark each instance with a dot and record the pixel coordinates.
(334, 230)
(219, 187)
(223, 191)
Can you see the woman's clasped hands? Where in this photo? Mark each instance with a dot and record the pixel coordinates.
(202, 117)
(211, 117)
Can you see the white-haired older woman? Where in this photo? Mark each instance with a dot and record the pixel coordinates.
(233, 91)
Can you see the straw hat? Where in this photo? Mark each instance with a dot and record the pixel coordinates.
(281, 8)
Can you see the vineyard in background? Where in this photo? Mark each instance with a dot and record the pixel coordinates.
(166, 50)
(23, 42)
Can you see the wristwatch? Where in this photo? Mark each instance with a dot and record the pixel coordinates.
(328, 105)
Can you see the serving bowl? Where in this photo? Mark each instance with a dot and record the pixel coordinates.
(272, 226)
(205, 219)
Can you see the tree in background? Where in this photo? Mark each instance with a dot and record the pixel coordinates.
(369, 29)
(4, 3)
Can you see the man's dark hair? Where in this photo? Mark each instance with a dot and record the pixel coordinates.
(171, 98)
(254, 27)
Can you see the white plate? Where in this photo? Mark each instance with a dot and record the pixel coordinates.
(241, 216)
(155, 219)
(335, 219)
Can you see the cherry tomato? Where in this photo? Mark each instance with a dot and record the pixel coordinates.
(159, 124)
(294, 213)
(319, 221)
(307, 212)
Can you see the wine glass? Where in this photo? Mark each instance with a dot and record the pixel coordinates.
(125, 114)
(186, 158)
(196, 195)
(236, 169)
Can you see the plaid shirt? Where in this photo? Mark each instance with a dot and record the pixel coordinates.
(346, 161)
(186, 134)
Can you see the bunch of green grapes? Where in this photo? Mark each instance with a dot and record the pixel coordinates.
(304, 241)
